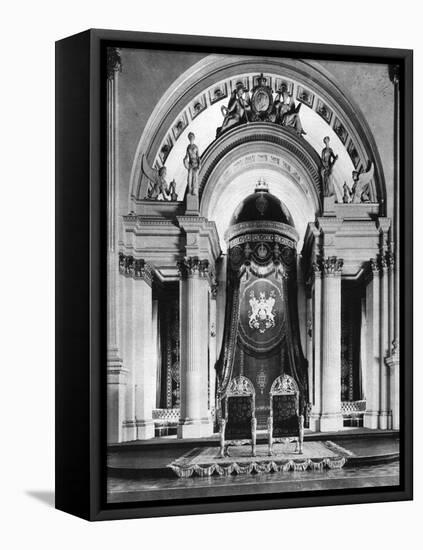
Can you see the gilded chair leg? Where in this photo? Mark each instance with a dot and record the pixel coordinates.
(301, 436)
(222, 439)
(253, 435)
(269, 431)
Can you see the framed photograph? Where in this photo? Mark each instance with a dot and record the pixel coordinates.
(234, 274)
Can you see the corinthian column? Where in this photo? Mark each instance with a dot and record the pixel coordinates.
(194, 418)
(331, 417)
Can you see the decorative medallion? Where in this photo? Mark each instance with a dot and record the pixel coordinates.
(262, 251)
(261, 99)
(262, 315)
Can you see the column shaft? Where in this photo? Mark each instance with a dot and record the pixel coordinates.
(129, 428)
(393, 364)
(384, 415)
(331, 418)
(372, 395)
(212, 352)
(142, 316)
(194, 417)
(317, 355)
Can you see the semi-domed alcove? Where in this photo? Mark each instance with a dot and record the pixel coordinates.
(261, 206)
(261, 338)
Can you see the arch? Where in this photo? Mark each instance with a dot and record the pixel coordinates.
(191, 95)
(233, 164)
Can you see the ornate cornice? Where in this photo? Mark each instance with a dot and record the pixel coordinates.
(260, 227)
(114, 62)
(136, 268)
(193, 267)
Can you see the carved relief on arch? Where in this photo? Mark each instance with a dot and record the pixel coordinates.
(209, 82)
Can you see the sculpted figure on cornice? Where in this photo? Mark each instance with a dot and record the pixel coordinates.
(237, 110)
(260, 105)
(192, 164)
(158, 186)
(287, 113)
(328, 159)
(360, 190)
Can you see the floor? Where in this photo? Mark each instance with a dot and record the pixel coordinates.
(141, 473)
(153, 488)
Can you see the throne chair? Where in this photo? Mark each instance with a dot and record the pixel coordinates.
(238, 424)
(285, 422)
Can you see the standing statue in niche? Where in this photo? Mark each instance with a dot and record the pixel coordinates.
(287, 114)
(361, 187)
(192, 164)
(328, 159)
(158, 187)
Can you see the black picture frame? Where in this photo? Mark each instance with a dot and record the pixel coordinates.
(80, 274)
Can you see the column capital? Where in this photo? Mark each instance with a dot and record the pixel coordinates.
(137, 268)
(393, 359)
(394, 74)
(382, 262)
(374, 265)
(331, 266)
(193, 267)
(114, 62)
(316, 267)
(390, 259)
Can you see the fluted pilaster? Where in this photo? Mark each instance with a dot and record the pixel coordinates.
(384, 413)
(116, 370)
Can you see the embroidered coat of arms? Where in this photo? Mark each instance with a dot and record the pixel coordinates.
(261, 315)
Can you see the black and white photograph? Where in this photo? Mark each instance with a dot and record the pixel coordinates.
(253, 274)
(210, 299)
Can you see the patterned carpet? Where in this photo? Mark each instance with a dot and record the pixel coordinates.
(206, 461)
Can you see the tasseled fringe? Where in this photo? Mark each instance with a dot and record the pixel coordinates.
(263, 467)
